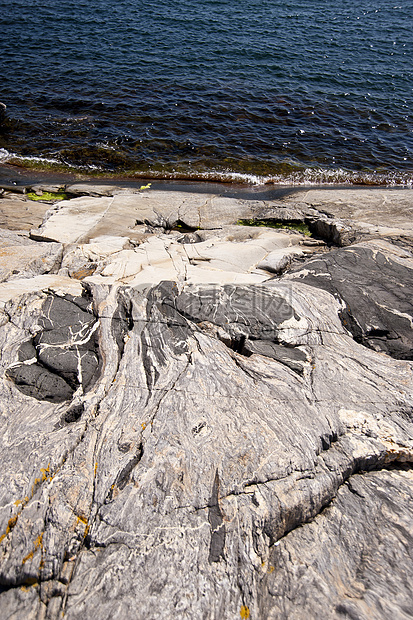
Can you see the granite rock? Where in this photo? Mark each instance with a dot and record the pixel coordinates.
(373, 282)
(233, 445)
(19, 213)
(190, 450)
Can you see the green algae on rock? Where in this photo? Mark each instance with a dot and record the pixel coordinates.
(46, 196)
(272, 223)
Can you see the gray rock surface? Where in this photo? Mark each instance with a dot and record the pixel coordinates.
(17, 213)
(373, 280)
(186, 448)
(350, 215)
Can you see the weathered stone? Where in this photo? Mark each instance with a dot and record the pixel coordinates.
(10, 238)
(63, 356)
(24, 261)
(80, 219)
(292, 357)
(17, 213)
(41, 188)
(276, 261)
(59, 284)
(94, 189)
(345, 216)
(365, 574)
(373, 280)
(192, 448)
(39, 383)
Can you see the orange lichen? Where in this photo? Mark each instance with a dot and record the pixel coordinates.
(29, 556)
(45, 472)
(10, 525)
(38, 543)
(83, 273)
(244, 612)
(22, 502)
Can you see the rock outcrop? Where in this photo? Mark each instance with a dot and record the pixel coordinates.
(189, 432)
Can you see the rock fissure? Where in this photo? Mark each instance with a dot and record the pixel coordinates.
(293, 517)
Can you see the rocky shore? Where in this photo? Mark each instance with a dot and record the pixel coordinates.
(206, 404)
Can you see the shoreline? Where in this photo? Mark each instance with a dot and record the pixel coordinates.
(12, 176)
(291, 174)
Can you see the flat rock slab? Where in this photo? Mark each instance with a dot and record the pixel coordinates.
(17, 213)
(240, 254)
(347, 215)
(24, 261)
(15, 288)
(340, 215)
(80, 219)
(383, 207)
(88, 189)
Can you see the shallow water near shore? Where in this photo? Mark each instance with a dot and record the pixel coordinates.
(259, 92)
(20, 179)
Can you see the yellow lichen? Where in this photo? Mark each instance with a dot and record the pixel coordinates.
(244, 612)
(48, 196)
(12, 522)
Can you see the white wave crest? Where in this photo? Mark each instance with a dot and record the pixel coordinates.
(4, 155)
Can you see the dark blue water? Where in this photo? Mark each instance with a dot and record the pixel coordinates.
(270, 90)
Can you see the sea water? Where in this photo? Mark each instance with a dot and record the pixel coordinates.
(303, 91)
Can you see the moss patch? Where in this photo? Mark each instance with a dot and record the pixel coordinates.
(271, 223)
(47, 196)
